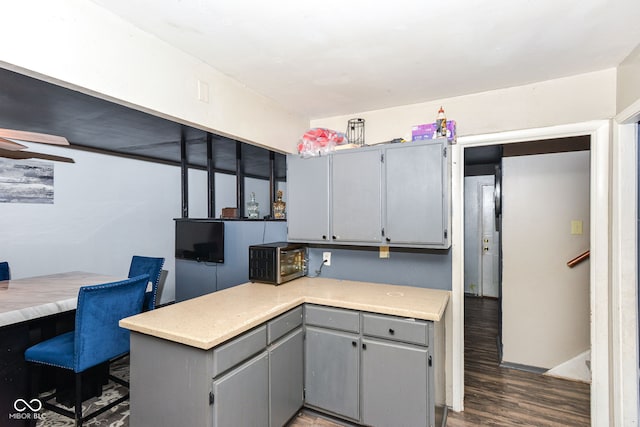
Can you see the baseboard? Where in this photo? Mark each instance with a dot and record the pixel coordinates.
(526, 368)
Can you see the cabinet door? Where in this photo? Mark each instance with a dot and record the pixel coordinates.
(241, 397)
(415, 195)
(332, 371)
(394, 385)
(286, 373)
(308, 199)
(356, 203)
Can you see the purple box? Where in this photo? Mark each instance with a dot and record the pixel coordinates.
(428, 131)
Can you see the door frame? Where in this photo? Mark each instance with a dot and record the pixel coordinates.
(624, 274)
(599, 131)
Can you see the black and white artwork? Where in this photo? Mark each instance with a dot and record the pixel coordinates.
(26, 181)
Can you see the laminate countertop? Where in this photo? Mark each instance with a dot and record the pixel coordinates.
(209, 320)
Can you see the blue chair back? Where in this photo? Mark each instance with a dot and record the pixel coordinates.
(5, 274)
(98, 337)
(152, 267)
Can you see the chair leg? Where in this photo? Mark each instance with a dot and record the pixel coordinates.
(78, 408)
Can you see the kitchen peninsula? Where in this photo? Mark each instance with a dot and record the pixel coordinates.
(259, 352)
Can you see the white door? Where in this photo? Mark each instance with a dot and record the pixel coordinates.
(490, 253)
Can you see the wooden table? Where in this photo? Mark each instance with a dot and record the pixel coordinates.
(32, 310)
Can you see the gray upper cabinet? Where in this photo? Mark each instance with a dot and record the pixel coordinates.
(416, 190)
(389, 194)
(308, 199)
(356, 212)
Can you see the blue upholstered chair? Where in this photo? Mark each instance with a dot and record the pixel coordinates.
(5, 274)
(97, 338)
(152, 267)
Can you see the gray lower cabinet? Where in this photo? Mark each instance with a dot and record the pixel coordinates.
(332, 371)
(394, 384)
(286, 378)
(241, 397)
(366, 368)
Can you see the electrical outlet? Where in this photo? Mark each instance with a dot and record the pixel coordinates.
(326, 258)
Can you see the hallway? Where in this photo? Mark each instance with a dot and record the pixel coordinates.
(508, 397)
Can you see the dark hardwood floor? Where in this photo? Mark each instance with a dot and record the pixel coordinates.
(508, 397)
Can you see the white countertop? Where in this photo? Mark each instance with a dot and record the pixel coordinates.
(211, 319)
(35, 297)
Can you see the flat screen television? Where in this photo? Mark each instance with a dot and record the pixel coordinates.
(200, 240)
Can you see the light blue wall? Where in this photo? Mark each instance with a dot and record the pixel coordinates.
(198, 278)
(412, 267)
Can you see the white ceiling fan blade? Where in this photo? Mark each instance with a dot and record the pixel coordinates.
(33, 137)
(6, 144)
(31, 155)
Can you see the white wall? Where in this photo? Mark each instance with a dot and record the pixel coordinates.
(628, 81)
(106, 209)
(546, 315)
(473, 232)
(82, 46)
(562, 101)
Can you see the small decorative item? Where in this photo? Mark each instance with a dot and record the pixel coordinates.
(252, 207)
(441, 123)
(279, 207)
(355, 131)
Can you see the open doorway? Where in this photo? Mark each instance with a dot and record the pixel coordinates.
(546, 185)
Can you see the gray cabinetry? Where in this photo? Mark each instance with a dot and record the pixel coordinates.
(394, 384)
(240, 396)
(367, 368)
(371, 368)
(286, 367)
(356, 202)
(308, 199)
(332, 371)
(416, 185)
(391, 194)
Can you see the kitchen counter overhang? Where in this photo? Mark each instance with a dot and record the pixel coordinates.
(212, 319)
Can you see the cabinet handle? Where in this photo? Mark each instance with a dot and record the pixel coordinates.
(334, 237)
(353, 343)
(324, 237)
(388, 240)
(364, 346)
(391, 331)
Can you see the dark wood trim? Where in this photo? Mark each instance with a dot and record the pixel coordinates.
(211, 179)
(272, 181)
(239, 181)
(184, 175)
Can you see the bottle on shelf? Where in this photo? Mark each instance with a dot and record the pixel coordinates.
(253, 207)
(441, 123)
(279, 207)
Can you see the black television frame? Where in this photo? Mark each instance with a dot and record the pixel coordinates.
(192, 232)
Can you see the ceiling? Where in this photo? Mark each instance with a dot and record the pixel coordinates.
(92, 123)
(321, 58)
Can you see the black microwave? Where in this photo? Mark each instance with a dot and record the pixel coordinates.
(277, 262)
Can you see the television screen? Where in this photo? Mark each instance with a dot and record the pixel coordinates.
(200, 240)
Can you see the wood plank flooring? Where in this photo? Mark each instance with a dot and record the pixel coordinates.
(507, 397)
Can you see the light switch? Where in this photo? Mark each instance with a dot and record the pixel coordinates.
(203, 91)
(384, 251)
(576, 226)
